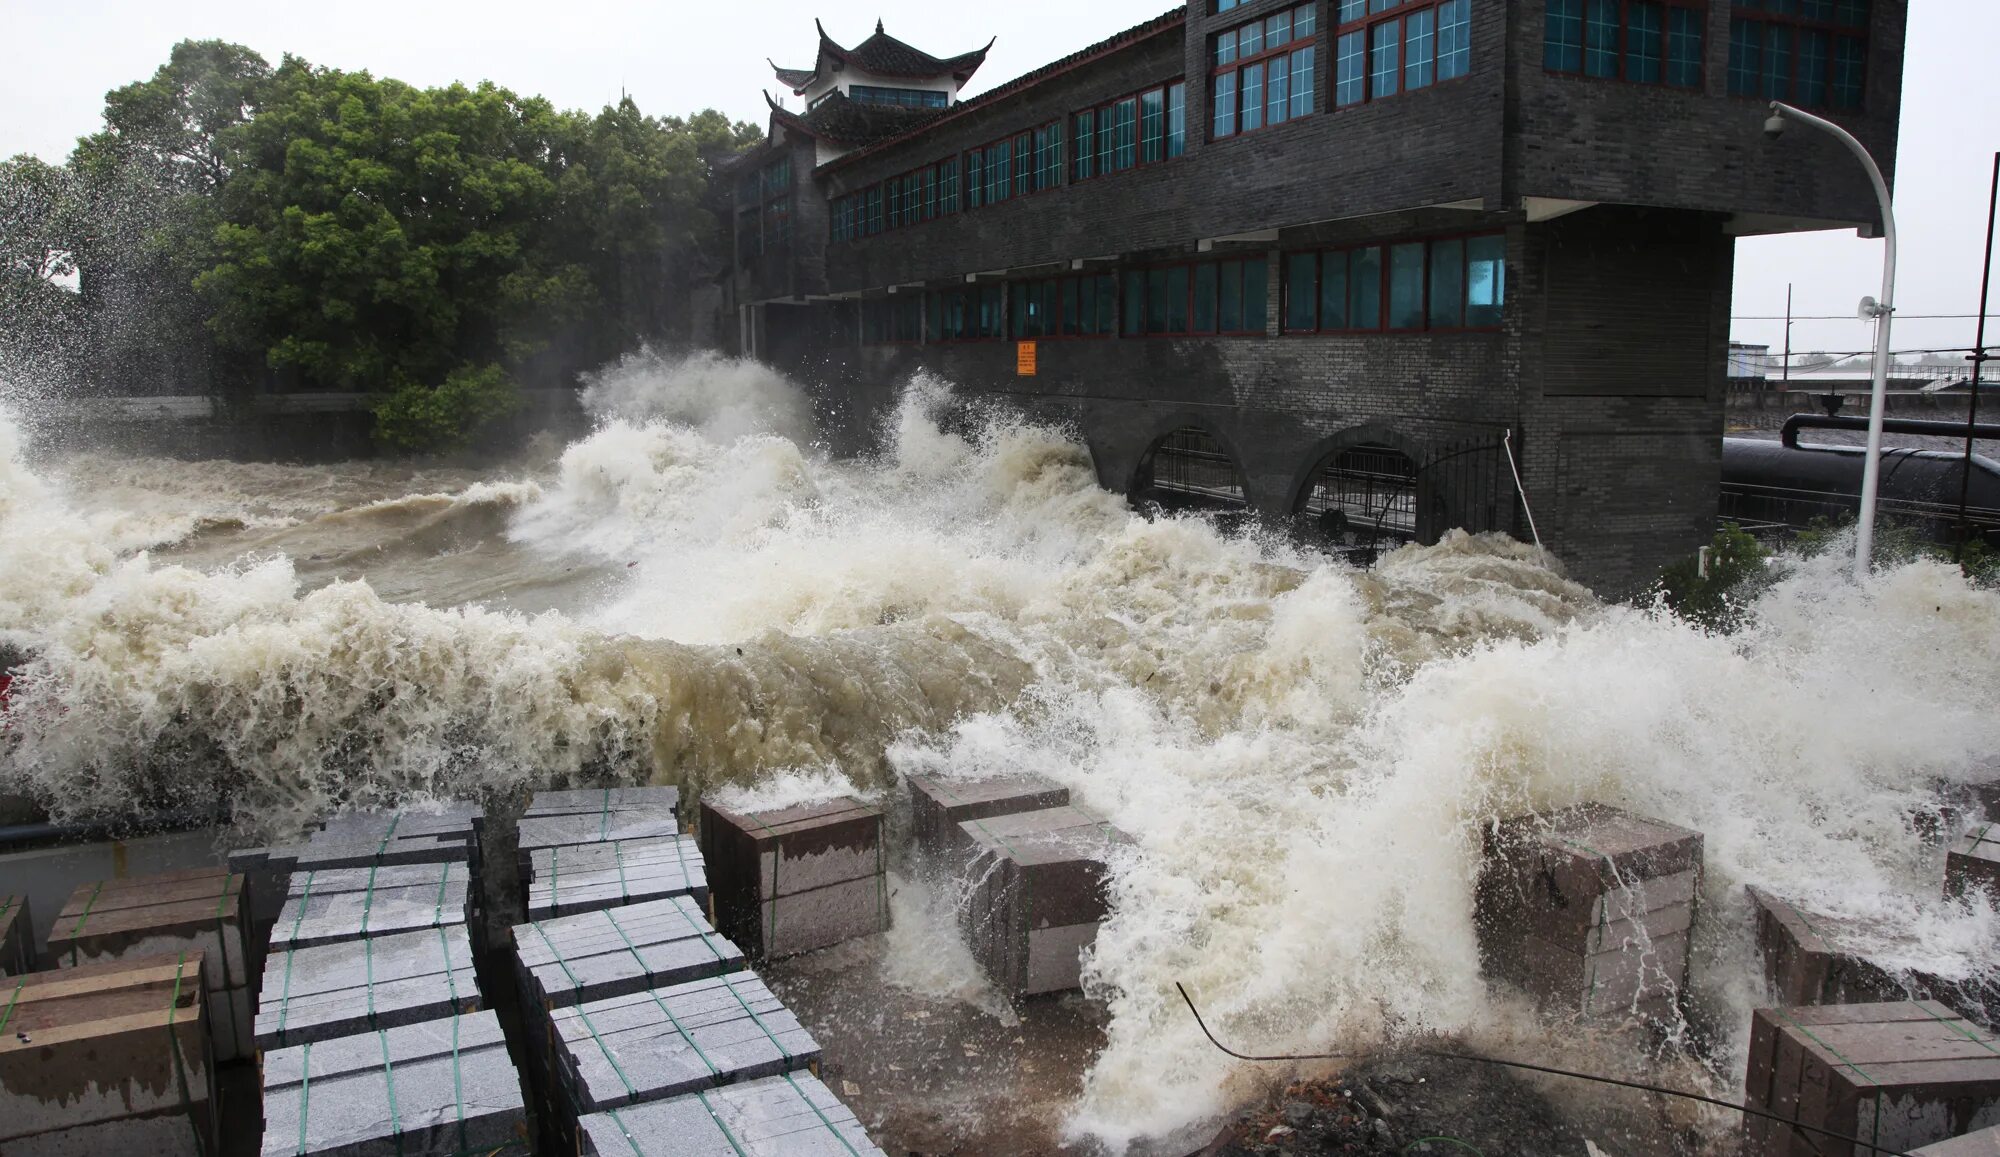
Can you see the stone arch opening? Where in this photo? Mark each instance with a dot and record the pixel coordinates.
(1189, 469)
(1363, 499)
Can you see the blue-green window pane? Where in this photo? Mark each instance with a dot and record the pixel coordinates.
(1018, 310)
(1128, 133)
(1485, 280)
(1746, 57)
(1645, 41)
(1250, 39)
(1024, 164)
(1384, 40)
(1278, 30)
(1420, 49)
(1107, 141)
(1225, 105)
(1153, 125)
(1406, 286)
(1562, 36)
(1176, 120)
(1815, 61)
(1849, 64)
(1333, 291)
(1851, 13)
(1107, 304)
(1777, 62)
(1256, 295)
(1301, 292)
(1352, 10)
(1177, 299)
(1225, 48)
(1305, 20)
(1253, 97)
(1447, 290)
(1135, 303)
(1303, 81)
(1156, 301)
(1454, 52)
(1365, 289)
(1278, 92)
(1204, 298)
(1350, 84)
(1072, 305)
(1684, 40)
(1086, 145)
(1230, 317)
(1600, 38)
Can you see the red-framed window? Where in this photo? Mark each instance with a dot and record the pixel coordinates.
(974, 313)
(1638, 41)
(1812, 53)
(912, 198)
(1264, 72)
(1079, 306)
(894, 320)
(1143, 128)
(1225, 298)
(1437, 283)
(989, 173)
(1383, 47)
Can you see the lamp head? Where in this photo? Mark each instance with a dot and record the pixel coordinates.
(1774, 125)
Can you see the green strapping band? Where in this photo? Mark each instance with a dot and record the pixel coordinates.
(368, 955)
(74, 959)
(845, 1144)
(555, 878)
(611, 917)
(1958, 1026)
(720, 1124)
(389, 1085)
(630, 1089)
(783, 1053)
(388, 835)
(777, 860)
(180, 1065)
(368, 898)
(618, 858)
(457, 1077)
(707, 938)
(221, 934)
(1875, 1130)
(437, 912)
(685, 1034)
(680, 849)
(444, 946)
(305, 1095)
(12, 1001)
(604, 817)
(629, 1140)
(285, 1000)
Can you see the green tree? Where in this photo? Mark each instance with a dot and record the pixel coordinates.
(1719, 600)
(41, 320)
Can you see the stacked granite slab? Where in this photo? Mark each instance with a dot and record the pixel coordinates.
(1812, 958)
(1589, 909)
(1984, 1143)
(107, 1058)
(436, 1088)
(566, 880)
(940, 804)
(17, 937)
(1973, 864)
(795, 879)
(792, 1115)
(330, 905)
(318, 993)
(1035, 895)
(1897, 1075)
(200, 910)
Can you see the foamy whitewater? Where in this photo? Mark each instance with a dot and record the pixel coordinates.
(1303, 753)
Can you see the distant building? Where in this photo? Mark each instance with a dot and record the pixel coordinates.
(1751, 361)
(1334, 260)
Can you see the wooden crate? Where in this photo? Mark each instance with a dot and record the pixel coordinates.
(200, 909)
(797, 879)
(108, 1059)
(1897, 1075)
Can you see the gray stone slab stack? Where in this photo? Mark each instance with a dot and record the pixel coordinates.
(568, 879)
(1897, 1075)
(558, 819)
(333, 990)
(793, 1115)
(1812, 958)
(438, 1088)
(1973, 864)
(17, 937)
(1589, 909)
(1036, 893)
(1984, 1143)
(663, 1042)
(331, 905)
(939, 804)
(199, 910)
(796, 879)
(359, 840)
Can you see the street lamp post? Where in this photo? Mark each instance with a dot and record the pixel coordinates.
(1882, 310)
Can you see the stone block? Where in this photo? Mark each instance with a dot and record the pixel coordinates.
(335, 990)
(1984, 1143)
(601, 800)
(797, 879)
(939, 804)
(562, 881)
(793, 1115)
(663, 1042)
(107, 1058)
(438, 1088)
(619, 951)
(1897, 1075)
(562, 831)
(1036, 894)
(326, 907)
(199, 910)
(17, 937)
(1589, 909)
(1973, 864)
(1812, 958)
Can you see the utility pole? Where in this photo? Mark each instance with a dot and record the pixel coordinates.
(1788, 335)
(1978, 360)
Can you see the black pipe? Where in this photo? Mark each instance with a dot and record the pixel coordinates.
(14, 836)
(1799, 422)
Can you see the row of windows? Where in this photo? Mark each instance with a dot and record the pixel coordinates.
(1264, 72)
(1804, 64)
(1136, 130)
(1384, 47)
(1642, 41)
(1448, 283)
(764, 208)
(1024, 164)
(899, 97)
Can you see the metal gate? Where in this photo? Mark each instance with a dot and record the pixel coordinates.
(1373, 497)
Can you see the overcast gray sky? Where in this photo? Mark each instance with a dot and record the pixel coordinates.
(676, 56)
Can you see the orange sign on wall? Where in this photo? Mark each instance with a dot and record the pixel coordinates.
(1024, 359)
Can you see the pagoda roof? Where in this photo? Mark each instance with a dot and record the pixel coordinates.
(882, 55)
(839, 120)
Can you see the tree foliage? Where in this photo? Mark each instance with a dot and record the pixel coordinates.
(311, 228)
(1718, 600)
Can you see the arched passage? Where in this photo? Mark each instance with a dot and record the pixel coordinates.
(1364, 497)
(1189, 469)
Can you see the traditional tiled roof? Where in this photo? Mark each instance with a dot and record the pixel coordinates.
(1158, 24)
(839, 120)
(882, 55)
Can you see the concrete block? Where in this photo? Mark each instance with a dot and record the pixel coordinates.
(200, 910)
(1973, 864)
(563, 881)
(1036, 894)
(797, 879)
(618, 951)
(438, 1088)
(17, 937)
(327, 907)
(1589, 909)
(939, 804)
(335, 990)
(107, 1055)
(1898, 1075)
(1812, 958)
(793, 1115)
(664, 1042)
(1985, 1143)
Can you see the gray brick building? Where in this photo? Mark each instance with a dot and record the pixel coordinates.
(1335, 262)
